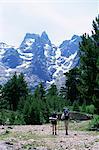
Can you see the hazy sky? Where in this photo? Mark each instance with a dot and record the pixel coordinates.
(61, 19)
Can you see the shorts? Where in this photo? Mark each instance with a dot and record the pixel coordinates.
(54, 122)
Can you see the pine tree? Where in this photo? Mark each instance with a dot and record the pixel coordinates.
(62, 92)
(3, 103)
(52, 90)
(14, 90)
(22, 91)
(89, 66)
(52, 98)
(72, 78)
(22, 86)
(39, 92)
(95, 36)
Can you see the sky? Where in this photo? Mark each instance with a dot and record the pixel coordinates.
(61, 19)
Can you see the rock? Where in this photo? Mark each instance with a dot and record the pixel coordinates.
(80, 116)
(9, 127)
(8, 143)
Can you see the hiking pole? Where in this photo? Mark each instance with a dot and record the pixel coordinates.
(58, 127)
(61, 124)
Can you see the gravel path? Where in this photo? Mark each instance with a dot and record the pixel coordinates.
(39, 137)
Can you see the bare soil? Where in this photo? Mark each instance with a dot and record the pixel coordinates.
(39, 137)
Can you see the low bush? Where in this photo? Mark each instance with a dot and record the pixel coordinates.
(90, 109)
(10, 117)
(94, 124)
(83, 107)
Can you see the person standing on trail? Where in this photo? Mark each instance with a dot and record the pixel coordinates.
(65, 118)
(53, 120)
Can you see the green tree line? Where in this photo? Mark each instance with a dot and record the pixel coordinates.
(27, 107)
(81, 92)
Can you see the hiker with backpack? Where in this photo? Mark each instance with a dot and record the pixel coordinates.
(53, 120)
(65, 118)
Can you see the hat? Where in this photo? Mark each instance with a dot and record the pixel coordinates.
(65, 108)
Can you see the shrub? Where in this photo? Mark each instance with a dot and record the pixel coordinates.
(19, 119)
(90, 109)
(94, 122)
(83, 107)
(10, 117)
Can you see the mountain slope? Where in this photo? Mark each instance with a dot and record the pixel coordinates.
(39, 59)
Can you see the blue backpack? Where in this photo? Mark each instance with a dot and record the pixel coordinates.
(66, 113)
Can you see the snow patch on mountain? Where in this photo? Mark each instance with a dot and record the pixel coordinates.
(47, 49)
(61, 68)
(8, 72)
(58, 53)
(2, 51)
(4, 46)
(29, 42)
(25, 57)
(25, 65)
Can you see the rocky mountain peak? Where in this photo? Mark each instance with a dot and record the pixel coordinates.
(39, 59)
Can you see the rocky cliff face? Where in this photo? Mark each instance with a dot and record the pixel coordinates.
(39, 59)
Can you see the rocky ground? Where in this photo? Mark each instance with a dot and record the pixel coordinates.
(39, 137)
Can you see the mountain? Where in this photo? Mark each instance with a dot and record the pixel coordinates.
(39, 59)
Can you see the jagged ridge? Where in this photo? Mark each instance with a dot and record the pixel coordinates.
(39, 59)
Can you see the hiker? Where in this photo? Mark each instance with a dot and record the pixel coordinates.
(65, 118)
(53, 120)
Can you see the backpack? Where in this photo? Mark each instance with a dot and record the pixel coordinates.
(54, 115)
(66, 114)
(53, 118)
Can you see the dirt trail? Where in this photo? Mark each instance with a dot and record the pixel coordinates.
(39, 137)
